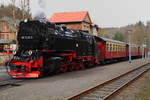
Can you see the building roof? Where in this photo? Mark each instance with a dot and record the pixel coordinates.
(68, 17)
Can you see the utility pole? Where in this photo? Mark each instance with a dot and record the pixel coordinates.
(129, 36)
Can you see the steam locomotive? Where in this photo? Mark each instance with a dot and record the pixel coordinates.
(45, 48)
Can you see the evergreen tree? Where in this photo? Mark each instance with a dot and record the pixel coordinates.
(119, 36)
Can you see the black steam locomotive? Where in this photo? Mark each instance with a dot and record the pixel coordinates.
(44, 47)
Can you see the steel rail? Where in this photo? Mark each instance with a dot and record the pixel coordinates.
(107, 89)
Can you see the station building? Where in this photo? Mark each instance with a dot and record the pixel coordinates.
(75, 20)
(7, 34)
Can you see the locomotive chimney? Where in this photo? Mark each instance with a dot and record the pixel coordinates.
(40, 14)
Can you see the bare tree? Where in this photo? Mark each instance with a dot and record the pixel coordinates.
(22, 5)
(13, 8)
(25, 7)
(28, 6)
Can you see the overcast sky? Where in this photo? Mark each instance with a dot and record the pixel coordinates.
(105, 13)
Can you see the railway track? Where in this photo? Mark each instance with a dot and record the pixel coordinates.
(108, 89)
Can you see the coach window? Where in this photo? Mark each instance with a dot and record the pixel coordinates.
(110, 47)
(124, 48)
(120, 48)
(107, 46)
(114, 47)
(117, 48)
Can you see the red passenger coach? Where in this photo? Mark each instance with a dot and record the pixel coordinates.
(140, 51)
(110, 49)
(134, 50)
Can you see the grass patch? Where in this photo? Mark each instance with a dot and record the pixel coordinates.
(145, 92)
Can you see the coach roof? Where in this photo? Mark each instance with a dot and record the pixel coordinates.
(109, 40)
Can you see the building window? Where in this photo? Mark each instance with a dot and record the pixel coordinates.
(7, 36)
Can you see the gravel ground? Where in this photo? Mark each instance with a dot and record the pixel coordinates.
(3, 73)
(135, 90)
(63, 86)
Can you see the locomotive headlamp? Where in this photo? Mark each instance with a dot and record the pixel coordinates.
(77, 45)
(25, 20)
(30, 52)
